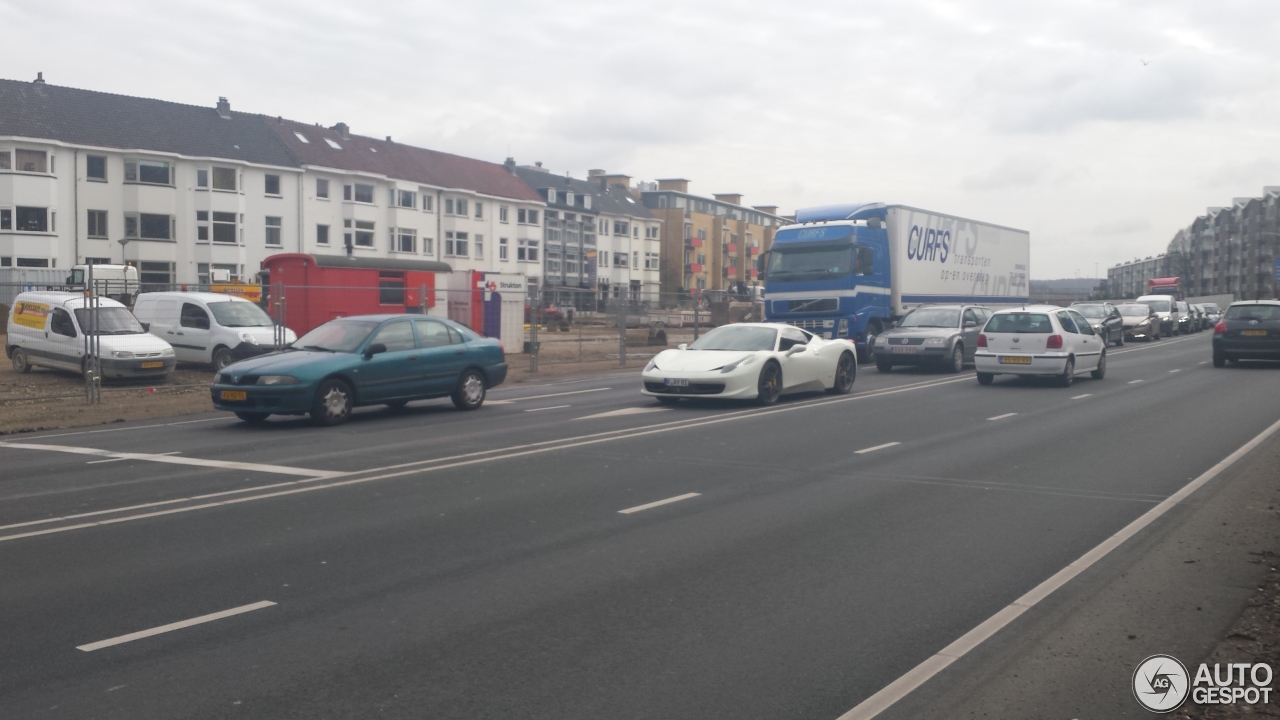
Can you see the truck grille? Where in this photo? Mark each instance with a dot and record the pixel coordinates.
(812, 325)
(811, 305)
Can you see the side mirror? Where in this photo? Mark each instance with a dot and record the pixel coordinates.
(970, 323)
(796, 349)
(682, 346)
(374, 349)
(146, 327)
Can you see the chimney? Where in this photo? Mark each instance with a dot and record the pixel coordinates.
(615, 180)
(388, 138)
(731, 198)
(766, 209)
(39, 79)
(594, 173)
(224, 108)
(342, 130)
(537, 163)
(510, 164)
(673, 184)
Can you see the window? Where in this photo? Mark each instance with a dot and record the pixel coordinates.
(391, 292)
(322, 234)
(604, 258)
(864, 261)
(193, 316)
(155, 276)
(479, 211)
(273, 184)
(202, 178)
(528, 217)
(346, 192)
(224, 228)
(427, 205)
(224, 179)
(502, 248)
(302, 138)
(97, 261)
(433, 333)
(4, 160)
(273, 231)
(322, 188)
(479, 245)
(404, 240)
(651, 261)
(364, 233)
(96, 167)
(60, 323)
(429, 246)
(363, 193)
(33, 262)
(6, 219)
(97, 223)
(455, 244)
(461, 206)
(31, 219)
(502, 213)
(620, 259)
(635, 259)
(448, 206)
(148, 172)
(527, 250)
(333, 144)
(406, 198)
(1067, 323)
(31, 160)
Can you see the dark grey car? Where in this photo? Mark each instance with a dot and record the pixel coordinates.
(941, 335)
(1105, 319)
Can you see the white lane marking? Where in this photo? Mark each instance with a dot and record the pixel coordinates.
(447, 463)
(134, 427)
(572, 392)
(1081, 397)
(668, 501)
(874, 448)
(498, 402)
(553, 407)
(1177, 370)
(1001, 417)
(175, 460)
(1204, 362)
(624, 411)
(174, 626)
(1134, 382)
(921, 673)
(1148, 347)
(119, 459)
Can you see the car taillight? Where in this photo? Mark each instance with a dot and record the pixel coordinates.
(1220, 328)
(982, 340)
(1054, 342)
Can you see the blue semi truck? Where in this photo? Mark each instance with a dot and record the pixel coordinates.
(851, 270)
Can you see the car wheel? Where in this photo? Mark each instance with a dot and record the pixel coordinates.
(985, 378)
(397, 404)
(221, 358)
(1100, 371)
(470, 392)
(19, 360)
(333, 403)
(253, 417)
(1219, 360)
(884, 364)
(956, 364)
(769, 386)
(846, 371)
(1068, 375)
(668, 400)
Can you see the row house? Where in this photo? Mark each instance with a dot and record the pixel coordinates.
(1233, 250)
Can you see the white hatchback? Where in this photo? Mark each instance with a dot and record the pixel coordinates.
(1039, 340)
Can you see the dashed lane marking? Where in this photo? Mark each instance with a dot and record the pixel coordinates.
(658, 503)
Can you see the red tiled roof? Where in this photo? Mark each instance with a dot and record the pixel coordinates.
(399, 161)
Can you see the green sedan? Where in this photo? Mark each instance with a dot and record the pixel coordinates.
(363, 360)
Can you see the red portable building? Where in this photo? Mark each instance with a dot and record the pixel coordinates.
(311, 290)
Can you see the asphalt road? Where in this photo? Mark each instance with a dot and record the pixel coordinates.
(433, 563)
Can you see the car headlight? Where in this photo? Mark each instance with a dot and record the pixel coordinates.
(1097, 328)
(167, 352)
(738, 363)
(289, 336)
(277, 380)
(935, 341)
(122, 354)
(248, 338)
(882, 340)
(653, 365)
(1144, 322)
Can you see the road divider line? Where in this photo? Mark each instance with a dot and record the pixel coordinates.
(223, 418)
(99, 462)
(1135, 382)
(1176, 370)
(559, 394)
(553, 407)
(175, 626)
(1001, 417)
(922, 673)
(1081, 397)
(874, 448)
(1150, 346)
(176, 460)
(623, 412)
(659, 503)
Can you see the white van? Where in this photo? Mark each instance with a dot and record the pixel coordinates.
(206, 327)
(48, 329)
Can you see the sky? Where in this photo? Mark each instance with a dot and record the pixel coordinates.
(1100, 127)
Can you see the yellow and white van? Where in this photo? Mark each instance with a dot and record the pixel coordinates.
(48, 329)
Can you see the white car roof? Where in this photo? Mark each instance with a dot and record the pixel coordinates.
(68, 300)
(206, 297)
(1030, 308)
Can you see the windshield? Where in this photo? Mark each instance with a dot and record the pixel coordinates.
(1133, 309)
(931, 317)
(737, 337)
(810, 263)
(110, 321)
(337, 336)
(1091, 311)
(1254, 312)
(1019, 322)
(1210, 308)
(239, 314)
(1157, 305)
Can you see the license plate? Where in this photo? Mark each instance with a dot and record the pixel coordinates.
(675, 382)
(1253, 333)
(908, 350)
(234, 395)
(152, 364)
(1014, 360)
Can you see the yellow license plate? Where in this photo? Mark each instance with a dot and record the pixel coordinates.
(235, 395)
(152, 364)
(1006, 360)
(1253, 332)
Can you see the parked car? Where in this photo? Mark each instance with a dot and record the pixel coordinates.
(1039, 340)
(1140, 321)
(941, 335)
(1163, 305)
(1106, 320)
(1249, 330)
(48, 329)
(1186, 321)
(752, 361)
(210, 328)
(1202, 318)
(363, 360)
(1213, 313)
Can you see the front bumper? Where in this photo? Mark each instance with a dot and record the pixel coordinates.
(1046, 364)
(1138, 333)
(118, 368)
(739, 385)
(281, 399)
(917, 355)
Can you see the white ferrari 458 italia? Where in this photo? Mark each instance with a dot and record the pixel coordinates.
(751, 361)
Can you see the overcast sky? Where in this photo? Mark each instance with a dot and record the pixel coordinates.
(1101, 127)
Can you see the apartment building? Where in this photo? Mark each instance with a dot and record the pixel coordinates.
(708, 243)
(179, 190)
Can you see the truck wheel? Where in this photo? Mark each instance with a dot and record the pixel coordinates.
(846, 372)
(873, 331)
(221, 358)
(19, 359)
(470, 392)
(769, 386)
(333, 403)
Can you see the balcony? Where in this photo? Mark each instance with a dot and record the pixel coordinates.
(693, 242)
(731, 271)
(731, 247)
(694, 267)
(754, 274)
